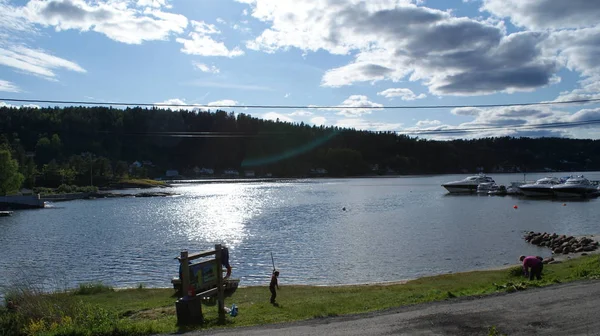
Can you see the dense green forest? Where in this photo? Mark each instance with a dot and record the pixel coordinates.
(96, 145)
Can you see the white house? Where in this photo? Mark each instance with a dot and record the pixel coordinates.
(231, 172)
(249, 173)
(172, 173)
(207, 171)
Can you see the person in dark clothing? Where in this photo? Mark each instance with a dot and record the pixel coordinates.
(274, 283)
(225, 261)
(532, 267)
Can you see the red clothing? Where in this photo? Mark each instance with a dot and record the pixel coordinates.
(530, 262)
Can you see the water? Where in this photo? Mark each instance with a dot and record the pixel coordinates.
(392, 229)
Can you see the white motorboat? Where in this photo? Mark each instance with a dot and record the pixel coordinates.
(467, 185)
(485, 187)
(577, 186)
(541, 187)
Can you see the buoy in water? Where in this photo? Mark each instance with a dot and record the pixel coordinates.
(515, 207)
(564, 204)
(344, 209)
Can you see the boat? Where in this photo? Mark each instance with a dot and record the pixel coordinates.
(577, 186)
(468, 184)
(541, 187)
(498, 190)
(5, 213)
(485, 187)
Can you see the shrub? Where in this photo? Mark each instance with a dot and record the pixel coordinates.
(92, 288)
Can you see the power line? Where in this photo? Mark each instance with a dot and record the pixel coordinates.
(337, 107)
(503, 127)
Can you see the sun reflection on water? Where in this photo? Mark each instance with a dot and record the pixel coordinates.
(219, 213)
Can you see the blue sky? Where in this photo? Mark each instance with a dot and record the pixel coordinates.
(321, 52)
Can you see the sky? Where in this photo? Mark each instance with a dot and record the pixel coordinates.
(343, 53)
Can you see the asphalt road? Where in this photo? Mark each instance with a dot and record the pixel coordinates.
(568, 309)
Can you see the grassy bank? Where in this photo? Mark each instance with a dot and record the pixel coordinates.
(138, 183)
(100, 310)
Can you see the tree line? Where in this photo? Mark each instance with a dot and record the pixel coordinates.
(96, 145)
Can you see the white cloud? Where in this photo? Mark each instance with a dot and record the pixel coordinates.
(11, 22)
(35, 61)
(319, 121)
(224, 102)
(287, 95)
(428, 122)
(277, 116)
(301, 113)
(174, 104)
(543, 14)
(119, 21)
(393, 39)
(360, 105)
(4, 104)
(153, 3)
(7, 86)
(221, 21)
(206, 68)
(466, 111)
(201, 43)
(362, 124)
(403, 93)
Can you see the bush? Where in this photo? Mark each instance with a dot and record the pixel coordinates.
(92, 288)
(516, 271)
(34, 312)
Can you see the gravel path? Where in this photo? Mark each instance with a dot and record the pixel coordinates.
(567, 309)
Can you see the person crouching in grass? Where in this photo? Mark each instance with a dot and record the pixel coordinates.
(532, 267)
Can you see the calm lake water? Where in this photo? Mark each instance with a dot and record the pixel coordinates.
(392, 229)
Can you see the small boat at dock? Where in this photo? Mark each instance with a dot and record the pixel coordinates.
(5, 213)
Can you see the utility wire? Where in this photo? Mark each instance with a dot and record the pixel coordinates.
(74, 102)
(503, 127)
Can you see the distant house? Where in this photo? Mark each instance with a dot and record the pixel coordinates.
(172, 173)
(318, 172)
(207, 171)
(268, 175)
(135, 165)
(249, 173)
(148, 163)
(231, 172)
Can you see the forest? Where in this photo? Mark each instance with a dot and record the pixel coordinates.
(80, 145)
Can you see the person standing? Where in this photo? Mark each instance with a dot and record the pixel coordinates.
(532, 267)
(274, 283)
(225, 261)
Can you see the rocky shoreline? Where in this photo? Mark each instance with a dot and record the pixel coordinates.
(561, 244)
(140, 194)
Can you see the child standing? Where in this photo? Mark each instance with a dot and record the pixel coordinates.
(274, 284)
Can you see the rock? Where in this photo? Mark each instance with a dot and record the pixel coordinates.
(555, 262)
(548, 260)
(566, 250)
(588, 248)
(579, 249)
(584, 254)
(557, 250)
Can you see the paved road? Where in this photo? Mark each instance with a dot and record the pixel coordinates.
(569, 309)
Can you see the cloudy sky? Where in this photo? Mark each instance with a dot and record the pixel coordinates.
(317, 52)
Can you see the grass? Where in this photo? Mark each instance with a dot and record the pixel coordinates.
(95, 309)
(140, 183)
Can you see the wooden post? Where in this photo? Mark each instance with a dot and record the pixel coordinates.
(185, 272)
(220, 293)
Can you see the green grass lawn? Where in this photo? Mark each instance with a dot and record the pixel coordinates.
(140, 183)
(100, 310)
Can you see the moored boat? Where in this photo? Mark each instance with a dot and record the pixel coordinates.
(468, 184)
(577, 186)
(541, 187)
